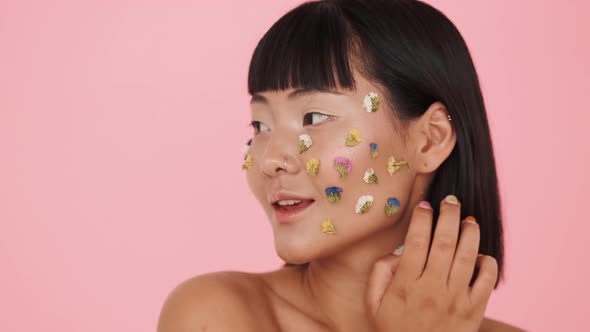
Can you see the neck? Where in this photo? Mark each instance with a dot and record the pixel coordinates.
(336, 285)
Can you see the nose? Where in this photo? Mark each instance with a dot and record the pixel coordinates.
(281, 155)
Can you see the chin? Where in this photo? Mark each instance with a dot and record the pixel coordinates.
(296, 252)
(295, 260)
(300, 251)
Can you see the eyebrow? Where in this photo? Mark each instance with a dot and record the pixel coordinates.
(257, 98)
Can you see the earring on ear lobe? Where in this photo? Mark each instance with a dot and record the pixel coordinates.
(449, 117)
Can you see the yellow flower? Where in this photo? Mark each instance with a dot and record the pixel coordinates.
(328, 227)
(394, 165)
(248, 161)
(353, 138)
(312, 166)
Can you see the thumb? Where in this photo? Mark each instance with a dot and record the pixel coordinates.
(380, 278)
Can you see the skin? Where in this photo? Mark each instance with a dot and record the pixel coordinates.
(353, 282)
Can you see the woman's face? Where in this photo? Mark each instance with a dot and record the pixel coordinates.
(327, 119)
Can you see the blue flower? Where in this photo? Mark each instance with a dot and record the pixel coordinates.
(374, 152)
(392, 206)
(333, 190)
(333, 194)
(393, 202)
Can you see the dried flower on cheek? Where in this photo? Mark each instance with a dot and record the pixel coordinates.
(371, 102)
(334, 194)
(246, 148)
(328, 227)
(364, 204)
(343, 166)
(374, 152)
(370, 176)
(392, 206)
(394, 165)
(248, 161)
(312, 166)
(304, 143)
(353, 137)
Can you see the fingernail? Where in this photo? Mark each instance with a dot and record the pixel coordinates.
(398, 250)
(425, 204)
(452, 199)
(471, 219)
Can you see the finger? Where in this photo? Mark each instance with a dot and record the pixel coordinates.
(485, 280)
(465, 256)
(444, 242)
(416, 243)
(380, 279)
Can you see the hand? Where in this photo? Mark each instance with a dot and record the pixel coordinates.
(409, 293)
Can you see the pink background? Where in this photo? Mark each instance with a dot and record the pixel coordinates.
(121, 128)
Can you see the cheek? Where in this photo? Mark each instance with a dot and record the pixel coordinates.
(354, 180)
(254, 176)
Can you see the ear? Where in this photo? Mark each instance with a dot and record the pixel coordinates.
(434, 137)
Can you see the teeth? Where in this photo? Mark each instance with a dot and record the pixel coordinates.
(289, 202)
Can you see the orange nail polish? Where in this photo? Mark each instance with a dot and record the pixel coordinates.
(471, 219)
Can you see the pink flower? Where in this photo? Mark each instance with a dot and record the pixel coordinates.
(343, 166)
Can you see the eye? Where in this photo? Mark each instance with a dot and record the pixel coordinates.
(313, 118)
(259, 127)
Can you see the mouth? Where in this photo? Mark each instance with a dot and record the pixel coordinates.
(287, 209)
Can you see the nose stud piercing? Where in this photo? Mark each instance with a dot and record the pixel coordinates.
(285, 164)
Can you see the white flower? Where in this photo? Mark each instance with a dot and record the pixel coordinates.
(306, 140)
(369, 100)
(368, 173)
(245, 150)
(363, 204)
(304, 143)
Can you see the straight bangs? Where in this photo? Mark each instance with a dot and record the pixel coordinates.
(311, 47)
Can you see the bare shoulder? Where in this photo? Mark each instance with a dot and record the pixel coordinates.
(492, 325)
(219, 301)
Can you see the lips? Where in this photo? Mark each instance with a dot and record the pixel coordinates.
(294, 206)
(288, 205)
(288, 213)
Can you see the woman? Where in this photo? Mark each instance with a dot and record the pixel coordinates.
(370, 132)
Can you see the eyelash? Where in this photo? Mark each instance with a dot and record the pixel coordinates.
(306, 116)
(328, 117)
(256, 126)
